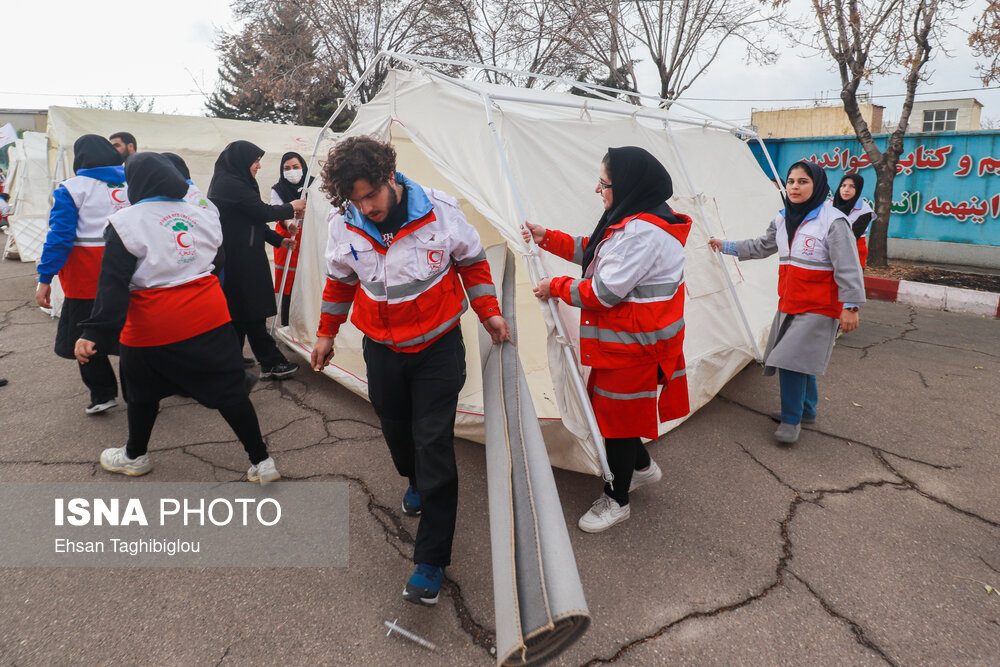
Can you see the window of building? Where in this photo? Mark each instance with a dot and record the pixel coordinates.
(940, 120)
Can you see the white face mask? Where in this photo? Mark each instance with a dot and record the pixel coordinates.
(293, 175)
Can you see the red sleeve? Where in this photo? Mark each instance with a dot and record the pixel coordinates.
(576, 292)
(478, 283)
(337, 299)
(563, 245)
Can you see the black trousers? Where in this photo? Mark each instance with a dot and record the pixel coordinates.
(100, 379)
(625, 455)
(97, 374)
(415, 396)
(263, 346)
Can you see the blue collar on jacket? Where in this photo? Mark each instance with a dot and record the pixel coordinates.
(114, 174)
(156, 198)
(417, 206)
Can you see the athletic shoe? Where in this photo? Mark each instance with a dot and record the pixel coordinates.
(411, 502)
(115, 460)
(650, 475)
(280, 372)
(425, 585)
(604, 513)
(3, 382)
(249, 361)
(264, 472)
(97, 408)
(776, 416)
(788, 433)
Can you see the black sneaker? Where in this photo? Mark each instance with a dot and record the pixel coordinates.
(411, 502)
(425, 585)
(280, 372)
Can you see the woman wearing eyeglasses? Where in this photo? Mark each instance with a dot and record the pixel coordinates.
(631, 300)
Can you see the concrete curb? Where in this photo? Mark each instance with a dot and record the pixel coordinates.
(935, 297)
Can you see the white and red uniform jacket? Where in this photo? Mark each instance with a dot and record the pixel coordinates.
(632, 297)
(806, 282)
(409, 294)
(79, 215)
(173, 294)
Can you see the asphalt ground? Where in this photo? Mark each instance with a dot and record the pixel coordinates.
(870, 541)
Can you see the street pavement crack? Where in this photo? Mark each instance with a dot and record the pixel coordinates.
(911, 485)
(856, 629)
(779, 578)
(835, 436)
(922, 378)
(910, 325)
(225, 654)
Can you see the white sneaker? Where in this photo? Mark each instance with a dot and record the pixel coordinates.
(97, 408)
(650, 475)
(604, 513)
(264, 472)
(115, 460)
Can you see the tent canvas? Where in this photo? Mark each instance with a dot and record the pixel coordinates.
(553, 144)
(197, 139)
(28, 184)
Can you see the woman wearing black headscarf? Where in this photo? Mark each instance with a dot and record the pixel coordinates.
(631, 298)
(247, 278)
(819, 288)
(73, 248)
(859, 214)
(292, 178)
(158, 277)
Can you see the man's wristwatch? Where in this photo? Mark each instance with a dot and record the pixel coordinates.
(853, 309)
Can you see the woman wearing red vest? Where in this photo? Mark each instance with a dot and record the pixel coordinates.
(631, 300)
(159, 277)
(291, 180)
(859, 214)
(819, 288)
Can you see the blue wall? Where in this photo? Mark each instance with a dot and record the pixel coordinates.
(947, 185)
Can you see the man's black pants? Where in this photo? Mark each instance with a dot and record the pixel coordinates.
(415, 396)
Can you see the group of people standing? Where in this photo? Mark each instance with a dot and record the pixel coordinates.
(404, 264)
(171, 280)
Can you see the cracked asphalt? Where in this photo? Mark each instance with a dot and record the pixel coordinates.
(868, 542)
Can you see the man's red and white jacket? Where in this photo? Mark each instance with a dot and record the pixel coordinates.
(409, 294)
(632, 295)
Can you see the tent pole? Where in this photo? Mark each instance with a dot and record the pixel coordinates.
(312, 163)
(568, 352)
(718, 256)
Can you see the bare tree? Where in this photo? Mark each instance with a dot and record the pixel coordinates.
(682, 38)
(985, 42)
(866, 38)
(128, 102)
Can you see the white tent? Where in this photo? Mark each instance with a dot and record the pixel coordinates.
(29, 186)
(510, 154)
(197, 139)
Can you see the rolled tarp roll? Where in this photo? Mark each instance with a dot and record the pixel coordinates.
(539, 602)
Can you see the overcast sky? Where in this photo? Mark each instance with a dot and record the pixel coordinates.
(59, 50)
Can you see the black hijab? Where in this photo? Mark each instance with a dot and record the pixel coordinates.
(846, 206)
(153, 175)
(179, 163)
(640, 183)
(796, 213)
(287, 190)
(92, 150)
(232, 181)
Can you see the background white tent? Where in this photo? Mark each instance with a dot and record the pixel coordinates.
(197, 139)
(553, 144)
(28, 183)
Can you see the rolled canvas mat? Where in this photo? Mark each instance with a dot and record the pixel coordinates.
(539, 602)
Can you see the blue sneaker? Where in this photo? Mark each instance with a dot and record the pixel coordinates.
(425, 585)
(411, 502)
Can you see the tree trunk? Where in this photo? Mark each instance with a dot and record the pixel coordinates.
(878, 236)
